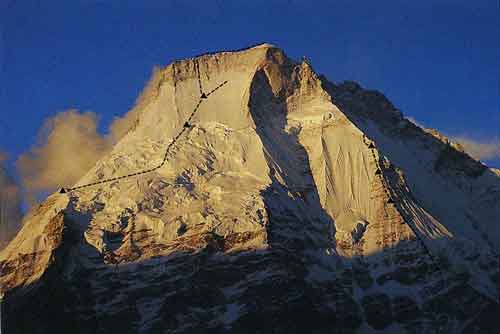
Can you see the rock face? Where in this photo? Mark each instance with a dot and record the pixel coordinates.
(284, 204)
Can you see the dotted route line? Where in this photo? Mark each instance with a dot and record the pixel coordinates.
(404, 216)
(170, 145)
(197, 69)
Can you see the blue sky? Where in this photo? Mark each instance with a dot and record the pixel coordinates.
(438, 61)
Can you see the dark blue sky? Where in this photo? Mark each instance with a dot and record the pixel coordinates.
(438, 61)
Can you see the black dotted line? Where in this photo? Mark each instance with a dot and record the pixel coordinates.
(219, 86)
(167, 151)
(197, 69)
(396, 205)
(210, 53)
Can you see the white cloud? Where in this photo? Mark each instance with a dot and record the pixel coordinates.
(10, 205)
(481, 149)
(69, 145)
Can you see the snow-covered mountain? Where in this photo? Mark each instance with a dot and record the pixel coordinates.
(259, 197)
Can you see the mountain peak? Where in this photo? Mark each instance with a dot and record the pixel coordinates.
(264, 45)
(249, 182)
